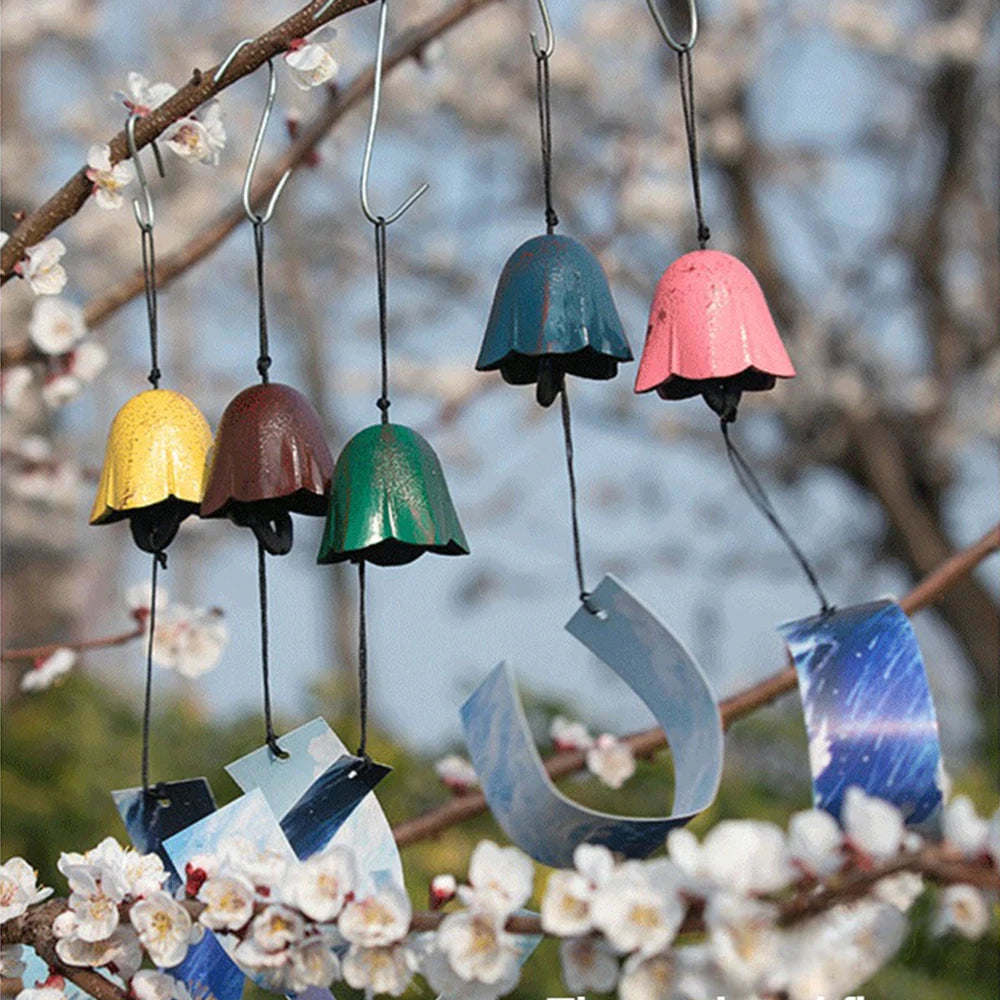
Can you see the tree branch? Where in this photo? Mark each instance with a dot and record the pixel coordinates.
(738, 706)
(71, 197)
(408, 45)
(104, 642)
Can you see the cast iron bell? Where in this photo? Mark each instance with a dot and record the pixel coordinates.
(710, 333)
(553, 315)
(269, 460)
(389, 503)
(154, 467)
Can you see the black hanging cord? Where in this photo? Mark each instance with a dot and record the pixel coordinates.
(272, 740)
(264, 359)
(159, 559)
(383, 326)
(362, 662)
(545, 124)
(752, 485)
(574, 520)
(149, 280)
(686, 76)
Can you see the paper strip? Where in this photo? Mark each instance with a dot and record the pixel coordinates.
(868, 708)
(631, 640)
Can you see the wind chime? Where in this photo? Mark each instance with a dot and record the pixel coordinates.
(389, 503)
(864, 689)
(154, 462)
(553, 314)
(269, 459)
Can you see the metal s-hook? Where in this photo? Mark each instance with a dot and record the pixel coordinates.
(550, 38)
(366, 162)
(146, 218)
(256, 218)
(689, 14)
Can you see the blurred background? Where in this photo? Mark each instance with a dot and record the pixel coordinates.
(849, 157)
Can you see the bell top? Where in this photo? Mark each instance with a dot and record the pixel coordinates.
(553, 299)
(155, 452)
(709, 321)
(269, 447)
(389, 503)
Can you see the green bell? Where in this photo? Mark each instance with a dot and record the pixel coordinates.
(389, 502)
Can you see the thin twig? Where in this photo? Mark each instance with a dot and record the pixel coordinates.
(738, 706)
(104, 642)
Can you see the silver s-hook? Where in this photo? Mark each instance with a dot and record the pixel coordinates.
(366, 162)
(260, 219)
(550, 38)
(689, 14)
(144, 215)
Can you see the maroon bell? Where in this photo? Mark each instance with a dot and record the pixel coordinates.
(269, 460)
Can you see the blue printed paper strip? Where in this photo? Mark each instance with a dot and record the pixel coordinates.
(868, 708)
(207, 971)
(312, 778)
(631, 640)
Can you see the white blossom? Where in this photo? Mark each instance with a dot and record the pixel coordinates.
(501, 878)
(88, 360)
(277, 927)
(143, 96)
(377, 921)
(60, 388)
(53, 988)
(148, 984)
(228, 902)
(164, 928)
(566, 904)
(310, 62)
(108, 179)
(14, 382)
(743, 939)
(19, 888)
(48, 671)
(56, 325)
(201, 137)
(138, 599)
(568, 735)
(900, 890)
(963, 828)
(41, 267)
(456, 772)
(54, 484)
(874, 826)
(442, 889)
(121, 950)
(311, 964)
(637, 912)
(437, 970)
(611, 760)
(477, 946)
(588, 963)
(964, 909)
(646, 978)
(380, 970)
(815, 841)
(320, 885)
(189, 640)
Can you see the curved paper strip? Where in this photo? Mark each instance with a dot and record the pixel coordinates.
(390, 502)
(553, 299)
(640, 649)
(868, 708)
(709, 321)
(289, 785)
(269, 449)
(155, 453)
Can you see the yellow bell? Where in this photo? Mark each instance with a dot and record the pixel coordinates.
(154, 467)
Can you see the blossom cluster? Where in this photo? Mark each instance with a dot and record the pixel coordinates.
(745, 899)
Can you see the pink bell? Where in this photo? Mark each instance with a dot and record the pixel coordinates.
(710, 333)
